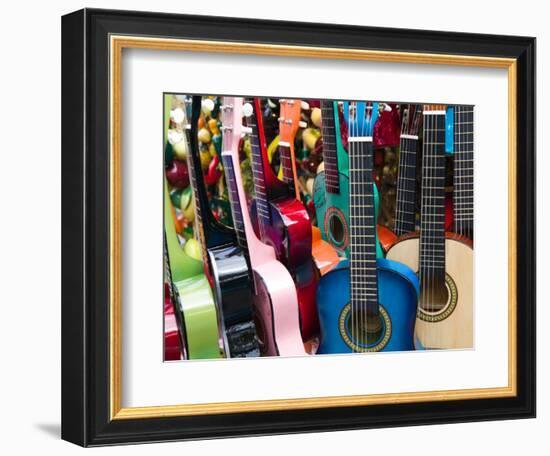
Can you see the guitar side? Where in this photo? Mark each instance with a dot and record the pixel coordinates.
(398, 295)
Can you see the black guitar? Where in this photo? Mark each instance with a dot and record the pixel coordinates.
(225, 263)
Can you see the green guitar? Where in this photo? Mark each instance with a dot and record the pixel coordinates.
(195, 300)
(331, 187)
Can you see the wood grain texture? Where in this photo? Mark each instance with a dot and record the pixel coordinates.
(455, 331)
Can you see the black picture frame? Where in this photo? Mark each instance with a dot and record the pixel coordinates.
(85, 227)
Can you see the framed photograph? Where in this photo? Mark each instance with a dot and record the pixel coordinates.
(274, 227)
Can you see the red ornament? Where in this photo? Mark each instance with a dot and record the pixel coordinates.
(178, 174)
(387, 128)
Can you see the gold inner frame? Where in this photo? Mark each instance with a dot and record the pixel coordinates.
(117, 45)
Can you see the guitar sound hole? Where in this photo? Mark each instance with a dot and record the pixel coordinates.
(434, 298)
(337, 229)
(365, 330)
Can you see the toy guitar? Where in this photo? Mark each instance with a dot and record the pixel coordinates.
(373, 118)
(331, 186)
(446, 293)
(366, 304)
(276, 311)
(405, 215)
(463, 195)
(225, 263)
(194, 296)
(279, 218)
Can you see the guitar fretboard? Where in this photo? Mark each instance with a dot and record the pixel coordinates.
(286, 163)
(196, 180)
(364, 279)
(432, 222)
(236, 210)
(463, 195)
(258, 172)
(405, 220)
(328, 131)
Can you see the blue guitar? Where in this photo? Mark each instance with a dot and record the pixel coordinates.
(365, 304)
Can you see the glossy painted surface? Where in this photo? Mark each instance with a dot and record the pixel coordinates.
(398, 294)
(289, 229)
(387, 237)
(335, 205)
(276, 301)
(172, 348)
(196, 300)
(324, 254)
(227, 268)
(199, 317)
(233, 290)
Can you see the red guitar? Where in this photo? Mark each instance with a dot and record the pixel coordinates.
(279, 218)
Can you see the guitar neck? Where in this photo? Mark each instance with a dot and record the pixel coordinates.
(211, 233)
(405, 219)
(328, 132)
(463, 197)
(259, 165)
(432, 221)
(234, 200)
(364, 279)
(285, 154)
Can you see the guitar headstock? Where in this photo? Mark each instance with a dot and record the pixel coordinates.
(360, 118)
(231, 118)
(434, 108)
(289, 119)
(180, 119)
(411, 119)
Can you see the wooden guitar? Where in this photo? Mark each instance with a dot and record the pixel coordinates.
(444, 261)
(365, 304)
(225, 263)
(276, 311)
(279, 218)
(463, 194)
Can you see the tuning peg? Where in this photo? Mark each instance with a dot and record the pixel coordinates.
(174, 137)
(248, 109)
(177, 115)
(302, 124)
(305, 105)
(207, 105)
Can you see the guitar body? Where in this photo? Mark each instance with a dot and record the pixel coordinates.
(325, 255)
(276, 313)
(199, 317)
(172, 346)
(387, 237)
(397, 295)
(332, 210)
(233, 290)
(451, 327)
(290, 236)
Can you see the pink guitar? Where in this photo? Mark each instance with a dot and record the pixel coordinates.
(276, 313)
